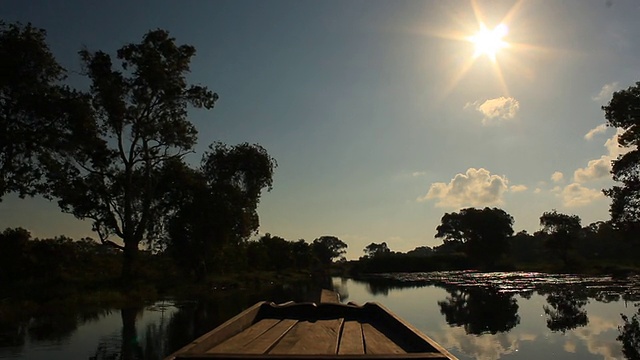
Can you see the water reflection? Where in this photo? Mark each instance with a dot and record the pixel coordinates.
(565, 310)
(479, 310)
(150, 332)
(474, 320)
(630, 335)
(531, 315)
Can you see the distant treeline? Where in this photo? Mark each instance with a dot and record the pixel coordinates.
(43, 269)
(483, 239)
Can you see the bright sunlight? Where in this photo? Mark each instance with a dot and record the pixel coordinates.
(489, 42)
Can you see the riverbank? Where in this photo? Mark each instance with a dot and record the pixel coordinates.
(402, 263)
(36, 297)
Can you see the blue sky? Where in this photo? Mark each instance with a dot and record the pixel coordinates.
(379, 113)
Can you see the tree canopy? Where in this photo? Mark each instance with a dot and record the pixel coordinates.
(29, 90)
(482, 233)
(372, 250)
(623, 113)
(216, 205)
(328, 249)
(562, 232)
(108, 167)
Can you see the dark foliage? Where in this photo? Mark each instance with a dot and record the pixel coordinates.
(562, 231)
(623, 112)
(480, 310)
(630, 336)
(565, 310)
(482, 233)
(30, 97)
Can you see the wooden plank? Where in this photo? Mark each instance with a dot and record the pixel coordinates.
(376, 343)
(266, 341)
(229, 328)
(351, 341)
(408, 356)
(328, 296)
(242, 339)
(310, 337)
(410, 332)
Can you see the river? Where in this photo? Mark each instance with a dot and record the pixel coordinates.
(473, 315)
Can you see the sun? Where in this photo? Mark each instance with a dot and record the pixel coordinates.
(489, 42)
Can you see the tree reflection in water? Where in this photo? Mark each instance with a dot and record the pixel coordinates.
(480, 310)
(630, 335)
(565, 310)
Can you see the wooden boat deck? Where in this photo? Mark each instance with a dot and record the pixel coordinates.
(310, 331)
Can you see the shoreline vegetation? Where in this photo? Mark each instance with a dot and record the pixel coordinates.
(43, 274)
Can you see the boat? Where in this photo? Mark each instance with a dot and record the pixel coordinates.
(324, 330)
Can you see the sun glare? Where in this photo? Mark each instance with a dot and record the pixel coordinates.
(489, 42)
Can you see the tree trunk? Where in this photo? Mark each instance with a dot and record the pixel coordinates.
(130, 348)
(129, 262)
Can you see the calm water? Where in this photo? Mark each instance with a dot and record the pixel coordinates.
(508, 315)
(475, 316)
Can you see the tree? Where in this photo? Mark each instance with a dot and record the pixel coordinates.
(562, 232)
(623, 112)
(480, 310)
(566, 310)
(483, 233)
(372, 250)
(216, 205)
(13, 253)
(328, 248)
(109, 166)
(629, 336)
(29, 75)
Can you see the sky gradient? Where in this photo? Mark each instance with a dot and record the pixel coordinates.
(379, 114)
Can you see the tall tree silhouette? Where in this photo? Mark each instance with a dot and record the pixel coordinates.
(562, 232)
(136, 123)
(216, 205)
(328, 248)
(483, 233)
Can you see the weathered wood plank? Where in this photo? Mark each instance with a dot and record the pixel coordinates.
(328, 296)
(351, 341)
(376, 342)
(240, 341)
(310, 337)
(266, 341)
(231, 327)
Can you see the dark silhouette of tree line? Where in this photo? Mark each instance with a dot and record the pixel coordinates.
(484, 239)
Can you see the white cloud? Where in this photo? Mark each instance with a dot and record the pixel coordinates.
(476, 187)
(606, 92)
(482, 347)
(537, 191)
(557, 177)
(418, 173)
(575, 195)
(596, 169)
(517, 188)
(600, 168)
(494, 110)
(596, 130)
